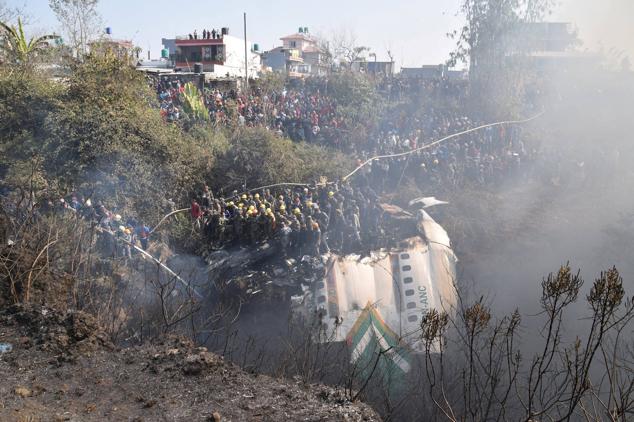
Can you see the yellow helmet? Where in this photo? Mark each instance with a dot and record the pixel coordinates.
(282, 207)
(240, 205)
(331, 194)
(244, 196)
(257, 195)
(309, 204)
(268, 211)
(297, 211)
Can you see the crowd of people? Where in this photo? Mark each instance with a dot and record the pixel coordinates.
(343, 217)
(122, 233)
(300, 113)
(319, 219)
(205, 34)
(304, 112)
(486, 156)
(305, 221)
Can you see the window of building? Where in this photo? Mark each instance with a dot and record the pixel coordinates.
(322, 299)
(407, 280)
(412, 318)
(319, 285)
(404, 256)
(207, 54)
(411, 305)
(407, 268)
(293, 44)
(409, 292)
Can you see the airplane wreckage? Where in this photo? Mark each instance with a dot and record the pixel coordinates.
(374, 299)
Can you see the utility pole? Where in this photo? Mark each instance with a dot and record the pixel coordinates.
(246, 57)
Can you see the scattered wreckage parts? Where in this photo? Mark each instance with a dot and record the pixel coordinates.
(402, 282)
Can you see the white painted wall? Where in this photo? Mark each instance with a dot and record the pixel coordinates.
(234, 62)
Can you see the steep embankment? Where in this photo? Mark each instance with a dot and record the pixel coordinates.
(63, 368)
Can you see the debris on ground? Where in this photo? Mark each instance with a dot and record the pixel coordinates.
(62, 367)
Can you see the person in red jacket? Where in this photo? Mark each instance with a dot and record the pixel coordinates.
(196, 212)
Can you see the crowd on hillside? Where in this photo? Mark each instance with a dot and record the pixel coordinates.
(485, 156)
(347, 218)
(305, 221)
(302, 114)
(128, 231)
(343, 217)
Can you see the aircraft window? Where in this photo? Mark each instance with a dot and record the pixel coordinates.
(320, 285)
(412, 318)
(408, 280)
(411, 305)
(407, 268)
(322, 299)
(409, 292)
(404, 256)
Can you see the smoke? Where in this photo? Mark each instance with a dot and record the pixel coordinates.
(576, 207)
(603, 25)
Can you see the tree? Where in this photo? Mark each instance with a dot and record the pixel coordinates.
(484, 39)
(477, 368)
(342, 48)
(491, 33)
(8, 14)
(80, 20)
(17, 48)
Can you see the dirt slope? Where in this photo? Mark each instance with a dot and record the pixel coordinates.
(62, 368)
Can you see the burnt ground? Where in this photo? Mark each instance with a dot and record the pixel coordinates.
(63, 368)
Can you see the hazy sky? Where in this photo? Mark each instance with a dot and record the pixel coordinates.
(414, 30)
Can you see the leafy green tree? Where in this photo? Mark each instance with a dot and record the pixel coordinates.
(257, 157)
(101, 134)
(17, 48)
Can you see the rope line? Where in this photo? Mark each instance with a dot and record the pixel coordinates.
(446, 138)
(380, 157)
(167, 216)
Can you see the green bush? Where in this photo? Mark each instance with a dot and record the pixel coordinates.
(257, 157)
(100, 133)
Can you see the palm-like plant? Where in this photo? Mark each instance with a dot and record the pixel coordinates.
(16, 48)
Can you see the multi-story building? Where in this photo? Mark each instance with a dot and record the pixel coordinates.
(222, 55)
(299, 56)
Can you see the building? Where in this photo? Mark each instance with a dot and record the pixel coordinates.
(122, 49)
(288, 61)
(548, 37)
(221, 54)
(424, 72)
(299, 56)
(374, 67)
(548, 46)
